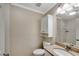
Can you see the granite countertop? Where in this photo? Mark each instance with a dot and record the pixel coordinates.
(51, 47)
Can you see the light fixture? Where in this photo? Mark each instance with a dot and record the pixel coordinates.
(66, 6)
(62, 12)
(72, 13)
(69, 9)
(76, 5)
(59, 10)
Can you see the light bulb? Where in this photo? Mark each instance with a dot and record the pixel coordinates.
(62, 12)
(72, 13)
(69, 9)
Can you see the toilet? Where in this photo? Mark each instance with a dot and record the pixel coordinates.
(39, 52)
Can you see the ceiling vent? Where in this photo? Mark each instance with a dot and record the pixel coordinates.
(38, 4)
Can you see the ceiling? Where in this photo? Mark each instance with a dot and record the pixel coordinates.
(41, 8)
(68, 8)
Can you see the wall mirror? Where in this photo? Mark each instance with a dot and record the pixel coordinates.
(68, 23)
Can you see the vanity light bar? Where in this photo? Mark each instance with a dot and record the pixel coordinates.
(69, 9)
(66, 6)
(62, 12)
(76, 5)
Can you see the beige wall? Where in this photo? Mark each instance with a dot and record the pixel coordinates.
(6, 12)
(24, 31)
(2, 30)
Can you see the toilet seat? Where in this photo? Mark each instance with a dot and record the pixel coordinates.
(39, 52)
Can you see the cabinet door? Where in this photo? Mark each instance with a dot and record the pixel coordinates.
(50, 26)
(44, 25)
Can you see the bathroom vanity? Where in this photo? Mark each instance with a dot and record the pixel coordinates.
(64, 29)
(56, 50)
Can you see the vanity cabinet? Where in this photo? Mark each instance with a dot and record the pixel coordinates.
(44, 24)
(47, 25)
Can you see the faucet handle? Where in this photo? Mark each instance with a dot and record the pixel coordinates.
(71, 45)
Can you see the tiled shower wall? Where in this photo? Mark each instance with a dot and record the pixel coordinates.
(66, 31)
(60, 31)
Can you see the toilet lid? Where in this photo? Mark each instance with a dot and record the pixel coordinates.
(39, 52)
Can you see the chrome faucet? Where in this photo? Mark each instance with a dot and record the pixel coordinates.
(68, 47)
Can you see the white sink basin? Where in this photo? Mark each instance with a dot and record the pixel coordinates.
(61, 52)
